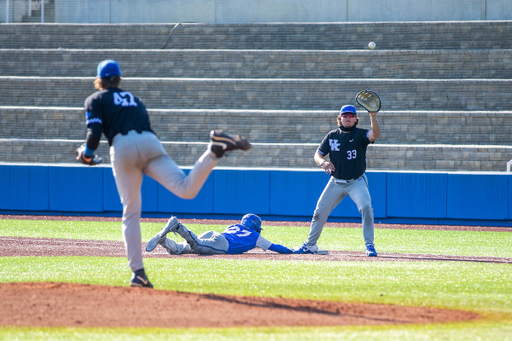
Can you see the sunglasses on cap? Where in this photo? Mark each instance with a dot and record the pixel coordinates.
(348, 114)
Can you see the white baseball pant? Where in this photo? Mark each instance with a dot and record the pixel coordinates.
(135, 154)
(207, 243)
(333, 194)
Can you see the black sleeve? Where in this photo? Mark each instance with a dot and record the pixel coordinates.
(323, 149)
(365, 139)
(93, 136)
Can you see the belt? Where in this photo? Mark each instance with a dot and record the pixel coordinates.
(341, 181)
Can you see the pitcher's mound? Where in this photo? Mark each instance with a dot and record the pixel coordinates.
(67, 304)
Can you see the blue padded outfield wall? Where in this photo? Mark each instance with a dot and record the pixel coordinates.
(274, 194)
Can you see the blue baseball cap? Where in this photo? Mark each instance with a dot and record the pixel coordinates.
(348, 109)
(108, 68)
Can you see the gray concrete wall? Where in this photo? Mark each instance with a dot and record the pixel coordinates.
(263, 11)
(134, 11)
(411, 36)
(446, 89)
(324, 64)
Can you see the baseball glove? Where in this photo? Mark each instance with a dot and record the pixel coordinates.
(369, 100)
(80, 157)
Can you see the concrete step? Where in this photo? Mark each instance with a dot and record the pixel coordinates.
(283, 155)
(425, 64)
(267, 94)
(273, 126)
(305, 36)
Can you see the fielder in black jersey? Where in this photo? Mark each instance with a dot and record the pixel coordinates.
(135, 150)
(346, 148)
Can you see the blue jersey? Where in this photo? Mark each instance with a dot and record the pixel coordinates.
(241, 239)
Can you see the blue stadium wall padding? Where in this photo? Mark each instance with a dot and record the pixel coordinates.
(241, 192)
(510, 199)
(416, 195)
(295, 193)
(473, 196)
(202, 203)
(75, 189)
(24, 188)
(377, 187)
(397, 197)
(112, 202)
(149, 192)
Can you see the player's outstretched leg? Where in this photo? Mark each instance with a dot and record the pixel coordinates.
(188, 235)
(174, 248)
(171, 226)
(222, 142)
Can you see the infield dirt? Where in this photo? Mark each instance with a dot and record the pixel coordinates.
(66, 304)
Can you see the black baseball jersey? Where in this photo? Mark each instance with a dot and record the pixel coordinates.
(347, 152)
(117, 111)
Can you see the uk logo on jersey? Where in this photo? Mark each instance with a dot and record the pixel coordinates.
(335, 145)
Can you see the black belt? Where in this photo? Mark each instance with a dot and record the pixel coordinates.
(338, 181)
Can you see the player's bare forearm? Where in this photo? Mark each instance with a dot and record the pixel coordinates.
(375, 132)
(319, 159)
(326, 165)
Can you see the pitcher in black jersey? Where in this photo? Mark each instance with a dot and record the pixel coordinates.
(135, 150)
(346, 148)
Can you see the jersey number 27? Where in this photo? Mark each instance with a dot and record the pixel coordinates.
(238, 232)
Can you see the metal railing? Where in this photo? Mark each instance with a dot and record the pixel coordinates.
(10, 9)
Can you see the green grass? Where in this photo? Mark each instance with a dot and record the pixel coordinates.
(484, 288)
(464, 243)
(453, 331)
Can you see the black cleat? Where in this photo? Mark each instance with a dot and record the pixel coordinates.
(222, 142)
(139, 279)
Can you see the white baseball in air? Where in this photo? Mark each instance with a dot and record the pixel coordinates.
(372, 45)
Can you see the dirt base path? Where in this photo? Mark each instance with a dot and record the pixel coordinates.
(40, 247)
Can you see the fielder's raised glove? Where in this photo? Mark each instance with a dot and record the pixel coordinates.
(369, 100)
(93, 161)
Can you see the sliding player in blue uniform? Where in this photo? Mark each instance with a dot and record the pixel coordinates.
(235, 239)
